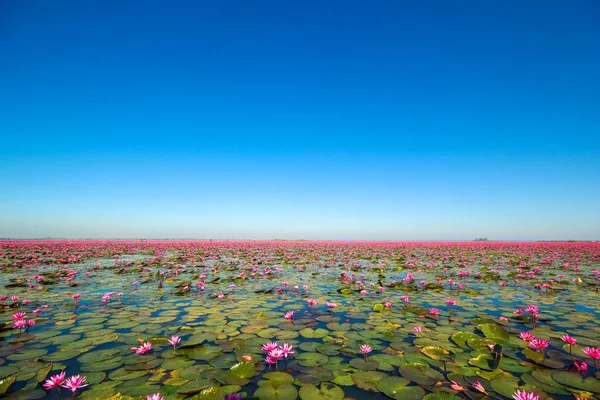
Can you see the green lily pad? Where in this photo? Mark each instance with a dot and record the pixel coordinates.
(420, 373)
(493, 331)
(326, 391)
(575, 380)
(62, 355)
(505, 384)
(460, 338)
(242, 370)
(279, 377)
(314, 333)
(390, 386)
(367, 380)
(195, 386)
(437, 353)
(6, 383)
(27, 354)
(276, 392)
(363, 365)
(7, 371)
(312, 359)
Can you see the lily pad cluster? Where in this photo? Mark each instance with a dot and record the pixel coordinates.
(398, 320)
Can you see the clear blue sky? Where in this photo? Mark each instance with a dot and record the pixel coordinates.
(300, 119)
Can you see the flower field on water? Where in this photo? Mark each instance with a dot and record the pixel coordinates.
(299, 320)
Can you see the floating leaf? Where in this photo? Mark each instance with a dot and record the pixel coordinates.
(326, 391)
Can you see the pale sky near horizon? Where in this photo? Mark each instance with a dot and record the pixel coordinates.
(318, 120)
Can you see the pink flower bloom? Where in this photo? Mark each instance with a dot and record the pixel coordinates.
(270, 360)
(247, 358)
(592, 352)
(287, 350)
(76, 296)
(457, 386)
(405, 299)
(277, 353)
(331, 305)
(451, 302)
(388, 304)
(311, 302)
(174, 340)
(269, 346)
(74, 383)
(569, 340)
(155, 396)
(479, 387)
(538, 344)
(533, 309)
(434, 311)
(523, 395)
(20, 324)
(54, 381)
(143, 349)
(18, 316)
(526, 336)
(30, 322)
(289, 315)
(366, 349)
(580, 365)
(518, 311)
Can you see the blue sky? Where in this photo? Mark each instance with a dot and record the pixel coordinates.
(300, 119)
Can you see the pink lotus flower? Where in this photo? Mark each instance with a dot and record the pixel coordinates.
(580, 365)
(75, 382)
(269, 346)
(311, 302)
(523, 395)
(20, 324)
(569, 340)
(289, 315)
(331, 305)
(247, 358)
(143, 349)
(457, 386)
(388, 304)
(155, 396)
(527, 336)
(450, 303)
(270, 360)
(518, 311)
(418, 330)
(533, 309)
(434, 311)
(592, 352)
(276, 353)
(54, 381)
(405, 299)
(479, 387)
(366, 349)
(538, 344)
(287, 350)
(174, 340)
(18, 316)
